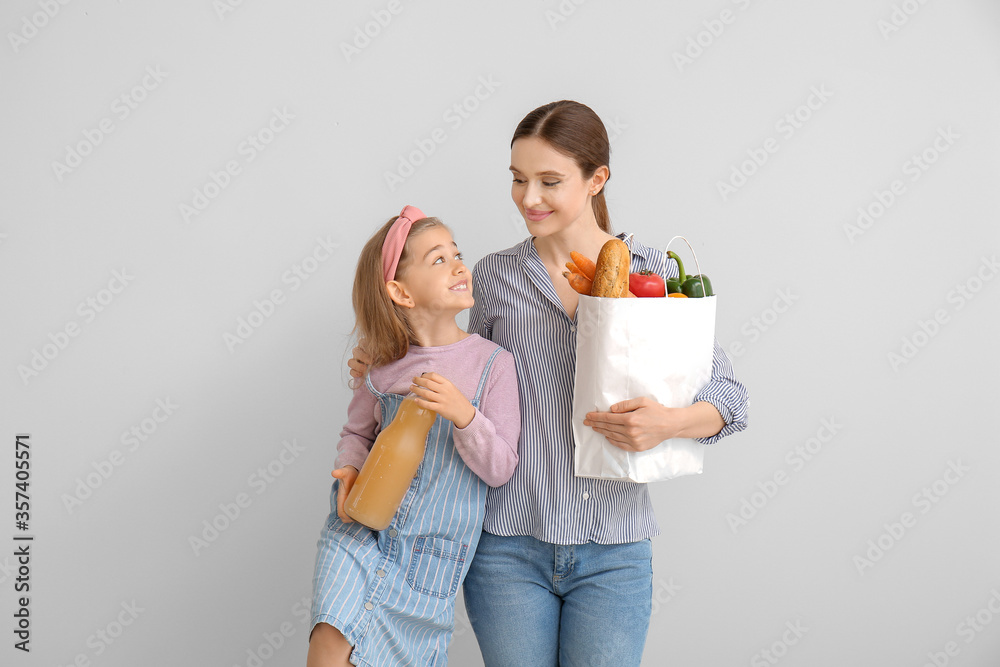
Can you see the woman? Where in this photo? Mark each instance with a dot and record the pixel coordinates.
(563, 573)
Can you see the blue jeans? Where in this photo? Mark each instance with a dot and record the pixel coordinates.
(585, 605)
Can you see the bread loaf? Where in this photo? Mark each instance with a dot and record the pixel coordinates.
(611, 274)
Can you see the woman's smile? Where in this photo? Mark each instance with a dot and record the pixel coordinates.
(536, 215)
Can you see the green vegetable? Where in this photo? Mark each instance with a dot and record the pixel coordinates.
(694, 289)
(690, 286)
(674, 284)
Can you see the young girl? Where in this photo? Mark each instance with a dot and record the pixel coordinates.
(388, 597)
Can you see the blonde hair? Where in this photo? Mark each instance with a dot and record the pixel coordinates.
(379, 320)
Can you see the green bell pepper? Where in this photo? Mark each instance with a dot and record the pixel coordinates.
(690, 286)
(674, 284)
(694, 289)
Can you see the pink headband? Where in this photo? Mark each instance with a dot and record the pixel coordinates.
(392, 248)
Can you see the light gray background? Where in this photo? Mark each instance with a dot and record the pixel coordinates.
(818, 311)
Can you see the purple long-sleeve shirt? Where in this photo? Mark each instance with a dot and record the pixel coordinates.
(488, 445)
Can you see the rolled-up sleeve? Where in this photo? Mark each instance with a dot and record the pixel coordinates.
(727, 394)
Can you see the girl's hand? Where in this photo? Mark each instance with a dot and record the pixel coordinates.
(440, 395)
(639, 424)
(346, 475)
(360, 361)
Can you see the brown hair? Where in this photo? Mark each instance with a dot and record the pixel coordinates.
(379, 320)
(576, 131)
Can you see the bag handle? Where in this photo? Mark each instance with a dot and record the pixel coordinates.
(663, 273)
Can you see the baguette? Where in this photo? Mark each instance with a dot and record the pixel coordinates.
(611, 273)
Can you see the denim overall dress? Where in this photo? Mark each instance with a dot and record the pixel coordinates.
(392, 592)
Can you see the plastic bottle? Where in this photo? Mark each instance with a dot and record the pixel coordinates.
(390, 466)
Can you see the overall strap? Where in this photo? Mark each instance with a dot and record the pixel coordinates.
(486, 372)
(371, 387)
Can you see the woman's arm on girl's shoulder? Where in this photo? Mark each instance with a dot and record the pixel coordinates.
(358, 434)
(488, 445)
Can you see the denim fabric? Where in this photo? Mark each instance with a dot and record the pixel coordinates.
(581, 605)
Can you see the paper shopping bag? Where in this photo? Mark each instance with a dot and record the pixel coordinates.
(627, 348)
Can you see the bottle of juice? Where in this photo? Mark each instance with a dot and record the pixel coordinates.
(390, 466)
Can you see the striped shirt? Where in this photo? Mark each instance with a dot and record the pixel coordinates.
(518, 308)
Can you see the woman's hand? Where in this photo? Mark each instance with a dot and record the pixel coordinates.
(360, 361)
(440, 395)
(639, 424)
(346, 475)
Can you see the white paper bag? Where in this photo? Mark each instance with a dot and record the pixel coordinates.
(627, 348)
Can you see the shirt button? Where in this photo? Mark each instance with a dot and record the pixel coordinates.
(573, 328)
(585, 495)
(369, 606)
(392, 532)
(380, 573)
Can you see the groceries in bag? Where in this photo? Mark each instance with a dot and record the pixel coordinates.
(608, 277)
(659, 348)
(615, 258)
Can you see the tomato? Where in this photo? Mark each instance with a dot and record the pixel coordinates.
(646, 283)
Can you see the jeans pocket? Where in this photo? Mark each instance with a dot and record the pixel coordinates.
(436, 566)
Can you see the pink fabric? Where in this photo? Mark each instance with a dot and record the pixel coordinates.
(488, 445)
(392, 248)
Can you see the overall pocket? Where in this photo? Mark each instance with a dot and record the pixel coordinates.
(436, 566)
(358, 532)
